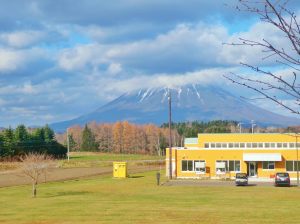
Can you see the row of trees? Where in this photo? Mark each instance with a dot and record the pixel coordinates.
(191, 129)
(21, 140)
(124, 137)
(120, 137)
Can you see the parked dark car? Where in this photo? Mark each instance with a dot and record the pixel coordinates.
(241, 179)
(282, 179)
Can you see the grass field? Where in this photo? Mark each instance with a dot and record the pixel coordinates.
(94, 159)
(139, 200)
(90, 156)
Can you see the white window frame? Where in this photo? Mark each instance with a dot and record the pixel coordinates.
(227, 166)
(201, 172)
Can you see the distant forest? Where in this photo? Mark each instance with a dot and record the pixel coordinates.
(21, 140)
(125, 137)
(119, 137)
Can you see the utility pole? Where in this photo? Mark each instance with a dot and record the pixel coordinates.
(296, 135)
(240, 125)
(170, 135)
(297, 166)
(252, 125)
(68, 144)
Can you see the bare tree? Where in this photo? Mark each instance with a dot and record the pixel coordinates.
(271, 85)
(34, 165)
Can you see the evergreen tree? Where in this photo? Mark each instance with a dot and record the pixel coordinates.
(72, 143)
(21, 133)
(19, 142)
(88, 140)
(8, 142)
(21, 138)
(39, 135)
(48, 134)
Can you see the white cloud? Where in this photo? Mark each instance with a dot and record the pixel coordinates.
(2, 102)
(111, 88)
(114, 68)
(11, 60)
(28, 88)
(79, 57)
(254, 55)
(21, 38)
(182, 49)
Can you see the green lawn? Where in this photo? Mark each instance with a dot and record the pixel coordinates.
(93, 159)
(90, 156)
(139, 200)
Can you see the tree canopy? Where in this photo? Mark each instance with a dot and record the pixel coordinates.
(20, 141)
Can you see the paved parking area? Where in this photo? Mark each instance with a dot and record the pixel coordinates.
(216, 183)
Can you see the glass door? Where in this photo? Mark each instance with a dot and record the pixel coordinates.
(252, 169)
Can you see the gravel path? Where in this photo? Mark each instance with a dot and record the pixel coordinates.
(13, 178)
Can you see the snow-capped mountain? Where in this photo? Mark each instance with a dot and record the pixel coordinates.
(189, 103)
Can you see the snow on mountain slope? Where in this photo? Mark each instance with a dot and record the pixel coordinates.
(190, 102)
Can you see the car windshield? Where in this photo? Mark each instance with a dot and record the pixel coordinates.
(241, 175)
(282, 174)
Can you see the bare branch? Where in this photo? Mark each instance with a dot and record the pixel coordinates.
(33, 166)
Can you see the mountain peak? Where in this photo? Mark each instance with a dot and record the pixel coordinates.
(189, 103)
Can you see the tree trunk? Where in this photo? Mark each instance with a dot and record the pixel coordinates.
(34, 189)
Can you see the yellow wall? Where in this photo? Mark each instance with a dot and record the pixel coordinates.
(243, 137)
(211, 155)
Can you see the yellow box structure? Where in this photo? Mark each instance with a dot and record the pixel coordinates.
(260, 155)
(120, 169)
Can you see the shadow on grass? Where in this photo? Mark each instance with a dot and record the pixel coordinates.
(136, 176)
(67, 193)
(248, 185)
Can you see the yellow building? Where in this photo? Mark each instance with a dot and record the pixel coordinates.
(259, 155)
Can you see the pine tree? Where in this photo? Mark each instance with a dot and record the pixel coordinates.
(21, 138)
(21, 134)
(88, 140)
(48, 134)
(8, 142)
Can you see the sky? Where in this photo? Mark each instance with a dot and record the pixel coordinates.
(62, 59)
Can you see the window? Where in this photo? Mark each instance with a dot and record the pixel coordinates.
(284, 145)
(254, 145)
(234, 165)
(291, 165)
(206, 145)
(268, 165)
(224, 145)
(213, 145)
(292, 145)
(199, 166)
(230, 145)
(249, 145)
(242, 145)
(279, 145)
(272, 145)
(236, 145)
(260, 145)
(221, 166)
(187, 165)
(230, 165)
(218, 145)
(267, 145)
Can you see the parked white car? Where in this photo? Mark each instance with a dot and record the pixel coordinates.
(241, 179)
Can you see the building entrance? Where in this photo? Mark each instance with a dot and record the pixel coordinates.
(252, 169)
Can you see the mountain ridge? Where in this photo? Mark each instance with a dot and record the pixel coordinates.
(189, 103)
